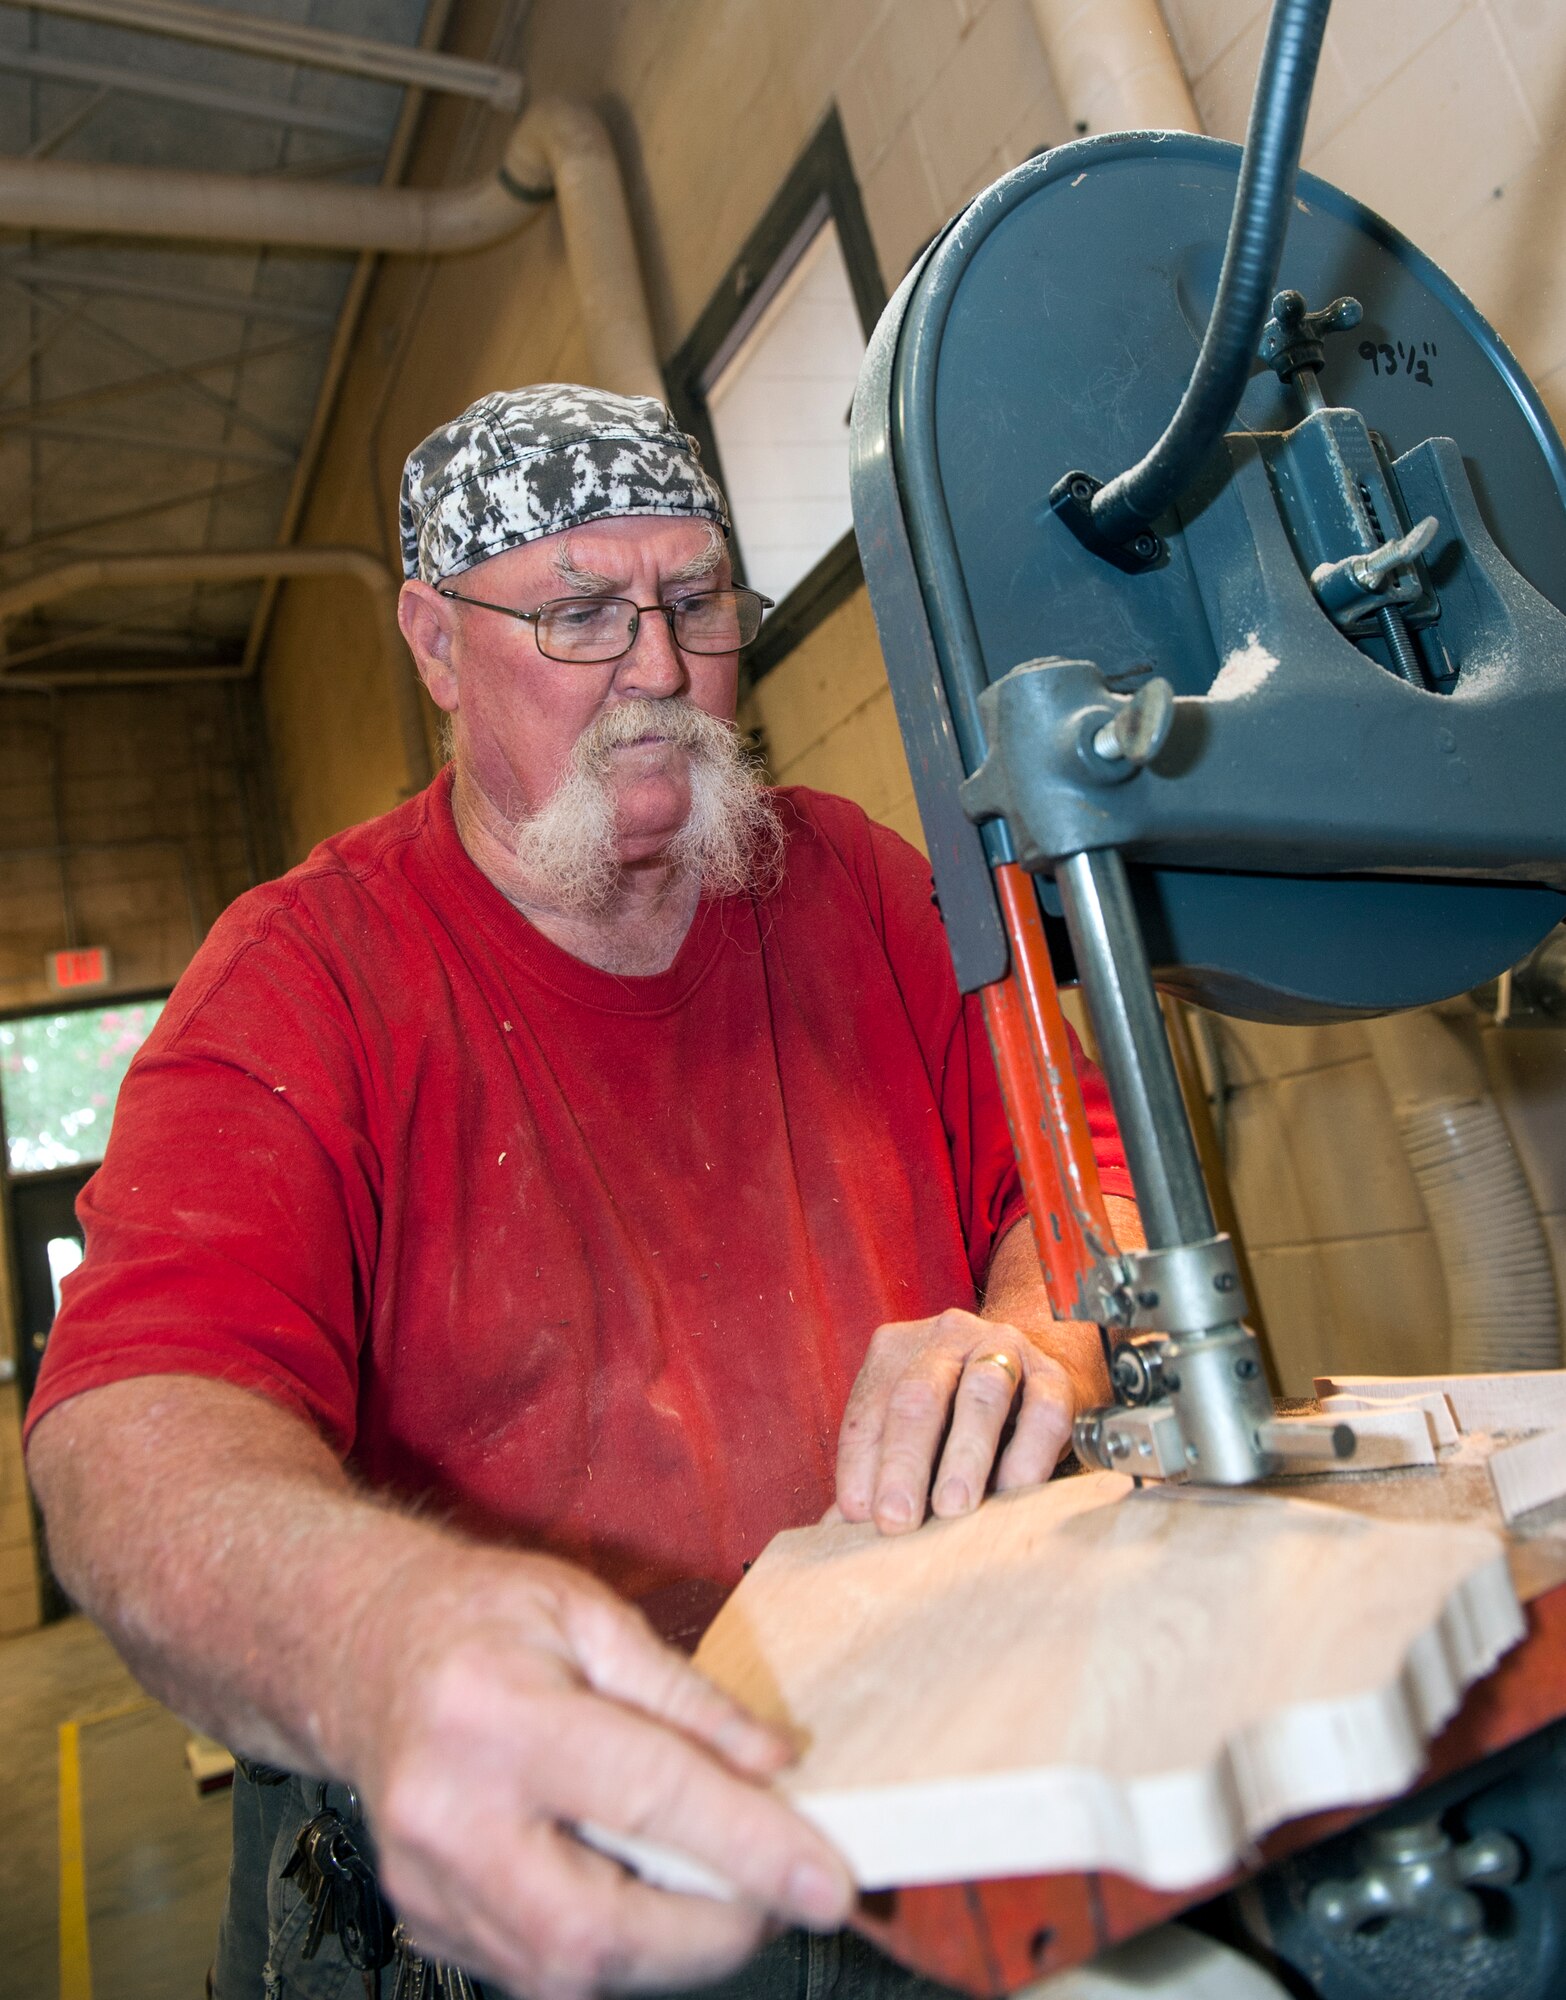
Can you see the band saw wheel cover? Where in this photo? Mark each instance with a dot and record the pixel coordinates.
(1054, 326)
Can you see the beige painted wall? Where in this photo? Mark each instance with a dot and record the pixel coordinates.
(1449, 116)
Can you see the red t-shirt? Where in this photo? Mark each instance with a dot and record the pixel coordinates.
(591, 1261)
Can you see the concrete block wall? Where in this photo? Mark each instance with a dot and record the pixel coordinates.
(1446, 116)
(1339, 1239)
(158, 796)
(1337, 1233)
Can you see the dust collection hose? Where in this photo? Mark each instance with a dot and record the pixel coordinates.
(1263, 201)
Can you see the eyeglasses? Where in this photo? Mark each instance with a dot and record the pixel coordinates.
(603, 628)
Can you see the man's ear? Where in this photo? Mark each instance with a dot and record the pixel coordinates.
(428, 624)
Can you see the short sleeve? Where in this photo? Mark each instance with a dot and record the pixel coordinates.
(231, 1230)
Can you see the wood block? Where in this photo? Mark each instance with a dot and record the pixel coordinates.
(1082, 1676)
(210, 1763)
(1533, 1399)
(1384, 1437)
(1438, 1411)
(1529, 1474)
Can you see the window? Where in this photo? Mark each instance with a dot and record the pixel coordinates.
(59, 1076)
(766, 381)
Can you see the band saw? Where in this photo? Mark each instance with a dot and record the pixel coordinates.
(1217, 549)
(1270, 719)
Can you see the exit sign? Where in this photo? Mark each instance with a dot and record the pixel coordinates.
(80, 971)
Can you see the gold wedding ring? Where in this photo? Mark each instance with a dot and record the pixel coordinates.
(1004, 1361)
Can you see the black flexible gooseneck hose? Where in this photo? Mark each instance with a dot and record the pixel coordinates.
(1123, 507)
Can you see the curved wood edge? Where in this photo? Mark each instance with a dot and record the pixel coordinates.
(989, 1938)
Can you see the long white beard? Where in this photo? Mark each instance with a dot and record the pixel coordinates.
(568, 850)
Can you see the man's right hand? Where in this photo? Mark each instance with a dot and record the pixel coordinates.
(483, 1702)
(523, 1698)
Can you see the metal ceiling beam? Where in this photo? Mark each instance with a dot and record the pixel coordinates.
(226, 406)
(109, 440)
(157, 378)
(42, 274)
(177, 90)
(318, 48)
(123, 516)
(73, 121)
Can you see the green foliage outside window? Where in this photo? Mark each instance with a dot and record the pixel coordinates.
(59, 1077)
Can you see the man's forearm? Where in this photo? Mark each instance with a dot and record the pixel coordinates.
(1015, 1296)
(228, 1555)
(484, 1701)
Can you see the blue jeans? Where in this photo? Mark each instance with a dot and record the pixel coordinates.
(261, 1941)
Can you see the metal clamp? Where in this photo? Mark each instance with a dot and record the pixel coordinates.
(1186, 1289)
(1146, 1442)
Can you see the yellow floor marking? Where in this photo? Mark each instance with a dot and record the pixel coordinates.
(75, 1953)
(75, 1958)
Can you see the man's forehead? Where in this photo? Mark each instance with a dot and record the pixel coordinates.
(610, 550)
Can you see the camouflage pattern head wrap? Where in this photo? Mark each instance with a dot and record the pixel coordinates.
(524, 463)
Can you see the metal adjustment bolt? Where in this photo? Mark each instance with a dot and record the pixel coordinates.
(1294, 338)
(1135, 733)
(1417, 1871)
(1356, 584)
(1247, 1367)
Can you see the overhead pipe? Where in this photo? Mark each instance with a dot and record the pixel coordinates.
(1115, 66)
(557, 150)
(232, 566)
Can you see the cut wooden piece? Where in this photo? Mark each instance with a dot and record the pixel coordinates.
(1531, 1400)
(1438, 1411)
(1529, 1474)
(1383, 1437)
(1081, 1676)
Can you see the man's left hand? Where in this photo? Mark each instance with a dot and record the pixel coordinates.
(974, 1372)
(1001, 1389)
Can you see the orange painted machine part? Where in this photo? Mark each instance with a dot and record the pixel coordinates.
(1067, 1120)
(1043, 1102)
(1062, 1252)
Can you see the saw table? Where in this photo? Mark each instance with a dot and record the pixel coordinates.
(990, 1938)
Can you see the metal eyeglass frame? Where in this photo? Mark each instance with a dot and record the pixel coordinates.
(666, 611)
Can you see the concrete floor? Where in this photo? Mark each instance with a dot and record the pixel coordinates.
(155, 1855)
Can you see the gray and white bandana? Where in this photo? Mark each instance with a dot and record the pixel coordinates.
(524, 463)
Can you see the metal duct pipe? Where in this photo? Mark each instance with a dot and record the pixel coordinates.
(1500, 1283)
(238, 566)
(557, 149)
(1115, 66)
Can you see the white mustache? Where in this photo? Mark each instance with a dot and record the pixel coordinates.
(668, 717)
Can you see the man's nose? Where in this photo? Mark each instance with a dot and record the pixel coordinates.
(654, 665)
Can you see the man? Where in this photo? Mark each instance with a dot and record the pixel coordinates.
(502, 1211)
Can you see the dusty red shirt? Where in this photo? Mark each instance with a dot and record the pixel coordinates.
(591, 1260)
